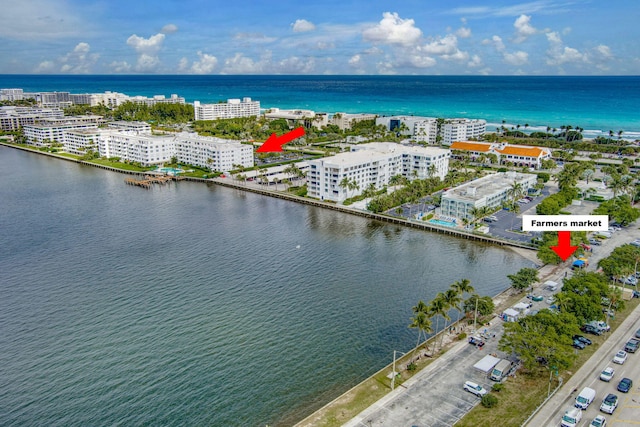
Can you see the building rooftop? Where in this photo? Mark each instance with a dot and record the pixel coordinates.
(515, 150)
(487, 185)
(471, 146)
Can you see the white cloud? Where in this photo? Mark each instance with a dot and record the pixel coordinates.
(512, 58)
(79, 60)
(296, 65)
(393, 30)
(183, 65)
(603, 51)
(355, 61)
(441, 46)
(524, 29)
(252, 38)
(558, 54)
(45, 67)
(475, 62)
(240, 64)
(205, 65)
(419, 61)
(120, 66)
(147, 50)
(302, 26)
(516, 58)
(463, 33)
(169, 29)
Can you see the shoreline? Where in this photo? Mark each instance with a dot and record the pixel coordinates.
(421, 225)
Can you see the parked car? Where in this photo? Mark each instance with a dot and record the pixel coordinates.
(607, 374)
(637, 333)
(578, 344)
(599, 421)
(635, 243)
(474, 388)
(632, 345)
(620, 357)
(589, 329)
(582, 339)
(625, 385)
(476, 341)
(595, 242)
(609, 404)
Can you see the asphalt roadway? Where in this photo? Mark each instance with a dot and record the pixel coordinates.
(435, 397)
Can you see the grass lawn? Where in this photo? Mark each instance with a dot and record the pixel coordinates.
(119, 165)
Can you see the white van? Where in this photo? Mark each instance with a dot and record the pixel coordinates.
(571, 418)
(501, 370)
(584, 399)
(605, 234)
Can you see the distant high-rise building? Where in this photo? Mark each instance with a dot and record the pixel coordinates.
(231, 109)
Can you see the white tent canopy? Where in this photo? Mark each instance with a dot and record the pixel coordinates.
(487, 363)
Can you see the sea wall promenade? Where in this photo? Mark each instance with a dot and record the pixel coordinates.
(255, 188)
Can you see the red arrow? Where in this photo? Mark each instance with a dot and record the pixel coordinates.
(275, 143)
(564, 248)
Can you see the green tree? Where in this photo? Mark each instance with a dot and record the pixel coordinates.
(485, 305)
(524, 278)
(421, 322)
(438, 308)
(462, 287)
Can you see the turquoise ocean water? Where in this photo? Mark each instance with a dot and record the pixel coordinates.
(597, 104)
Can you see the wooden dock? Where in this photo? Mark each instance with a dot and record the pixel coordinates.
(149, 180)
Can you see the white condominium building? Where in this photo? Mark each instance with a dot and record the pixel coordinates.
(421, 129)
(139, 127)
(231, 109)
(372, 164)
(491, 191)
(213, 153)
(156, 99)
(345, 120)
(209, 152)
(305, 118)
(11, 94)
(13, 118)
(426, 130)
(130, 146)
(80, 141)
(462, 130)
(52, 129)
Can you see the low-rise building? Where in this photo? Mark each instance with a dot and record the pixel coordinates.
(372, 165)
(50, 130)
(145, 149)
(346, 121)
(213, 153)
(305, 118)
(156, 99)
(490, 191)
(462, 130)
(139, 127)
(81, 141)
(13, 118)
(203, 151)
(231, 109)
(518, 155)
(11, 94)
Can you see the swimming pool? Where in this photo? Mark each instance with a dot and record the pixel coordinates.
(443, 223)
(170, 171)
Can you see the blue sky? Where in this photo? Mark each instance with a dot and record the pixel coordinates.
(544, 37)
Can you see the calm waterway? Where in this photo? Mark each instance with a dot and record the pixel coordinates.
(193, 304)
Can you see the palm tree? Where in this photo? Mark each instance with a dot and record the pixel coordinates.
(437, 309)
(462, 286)
(423, 324)
(451, 299)
(344, 184)
(516, 191)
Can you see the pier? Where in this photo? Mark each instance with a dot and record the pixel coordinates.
(149, 180)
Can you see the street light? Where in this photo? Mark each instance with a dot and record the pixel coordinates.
(393, 372)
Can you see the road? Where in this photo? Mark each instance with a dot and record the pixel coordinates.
(628, 411)
(434, 396)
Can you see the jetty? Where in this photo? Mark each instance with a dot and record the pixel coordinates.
(149, 180)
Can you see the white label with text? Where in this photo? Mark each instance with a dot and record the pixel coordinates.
(565, 222)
